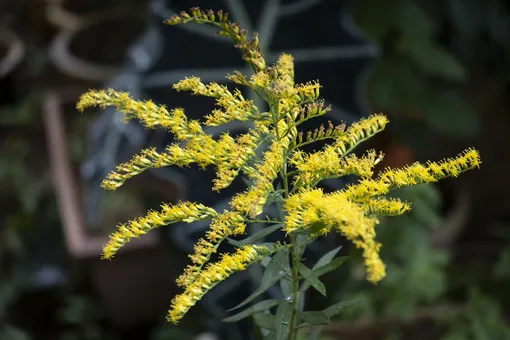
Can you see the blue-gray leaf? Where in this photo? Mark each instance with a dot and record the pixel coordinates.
(338, 308)
(275, 270)
(260, 234)
(282, 320)
(310, 276)
(265, 321)
(327, 258)
(314, 318)
(256, 308)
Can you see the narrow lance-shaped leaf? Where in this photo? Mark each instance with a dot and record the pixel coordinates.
(333, 265)
(338, 308)
(282, 320)
(260, 234)
(256, 308)
(301, 241)
(286, 285)
(327, 258)
(313, 318)
(310, 276)
(275, 270)
(265, 321)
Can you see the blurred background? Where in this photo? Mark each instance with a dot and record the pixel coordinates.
(440, 69)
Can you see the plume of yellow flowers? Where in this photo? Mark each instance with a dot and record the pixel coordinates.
(353, 211)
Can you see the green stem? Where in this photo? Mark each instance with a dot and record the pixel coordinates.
(295, 257)
(295, 291)
(295, 261)
(263, 221)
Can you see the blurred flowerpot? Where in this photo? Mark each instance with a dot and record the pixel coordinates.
(135, 286)
(96, 49)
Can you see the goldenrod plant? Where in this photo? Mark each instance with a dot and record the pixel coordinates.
(271, 158)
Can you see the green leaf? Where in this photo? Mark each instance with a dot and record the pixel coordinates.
(275, 270)
(425, 214)
(233, 242)
(256, 308)
(367, 15)
(13, 333)
(333, 265)
(394, 85)
(430, 193)
(432, 58)
(286, 286)
(265, 321)
(414, 21)
(447, 113)
(260, 234)
(314, 318)
(282, 320)
(301, 241)
(338, 308)
(326, 258)
(310, 276)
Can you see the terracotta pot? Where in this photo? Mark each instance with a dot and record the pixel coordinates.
(135, 286)
(95, 50)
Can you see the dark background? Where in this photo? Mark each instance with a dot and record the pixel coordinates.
(439, 69)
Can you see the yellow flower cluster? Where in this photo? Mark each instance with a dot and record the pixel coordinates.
(285, 68)
(360, 132)
(149, 113)
(230, 155)
(352, 211)
(234, 156)
(252, 202)
(222, 226)
(250, 48)
(233, 105)
(183, 212)
(328, 163)
(212, 275)
(412, 175)
(322, 213)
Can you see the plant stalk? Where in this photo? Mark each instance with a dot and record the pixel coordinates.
(295, 261)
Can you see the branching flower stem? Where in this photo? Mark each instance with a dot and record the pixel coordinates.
(303, 208)
(295, 257)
